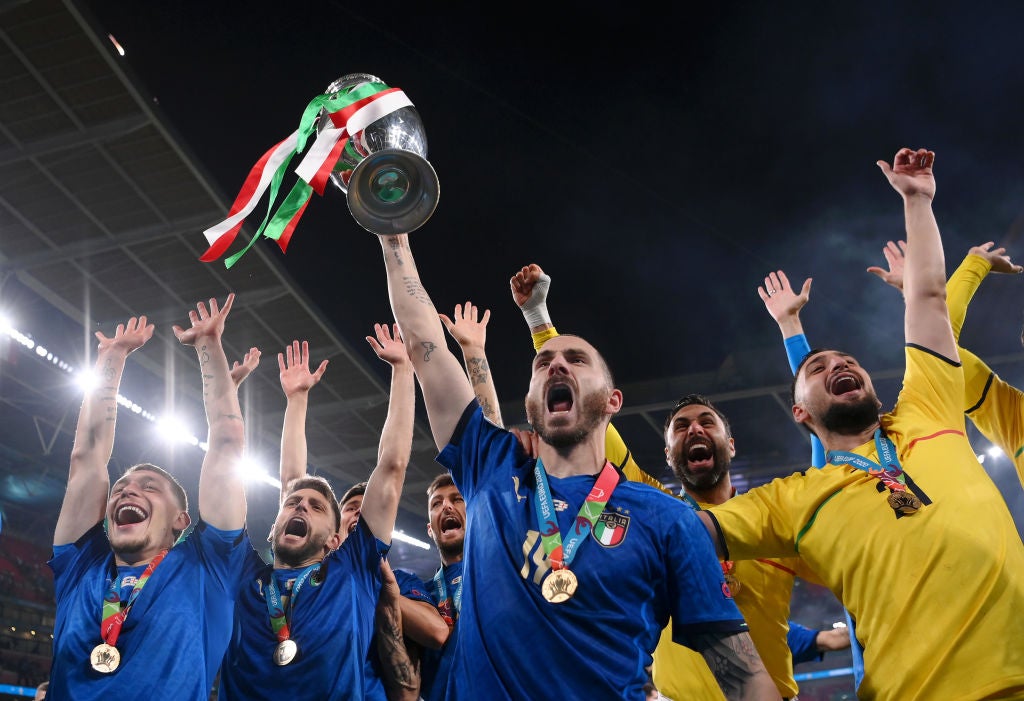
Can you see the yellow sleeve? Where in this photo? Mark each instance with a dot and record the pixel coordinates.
(960, 289)
(615, 450)
(997, 409)
(542, 337)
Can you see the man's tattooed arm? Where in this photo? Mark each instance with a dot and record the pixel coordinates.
(737, 666)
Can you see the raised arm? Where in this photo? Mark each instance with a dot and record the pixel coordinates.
(530, 287)
(88, 481)
(384, 488)
(926, 322)
(221, 489)
(296, 381)
(964, 281)
(446, 389)
(471, 335)
(784, 305)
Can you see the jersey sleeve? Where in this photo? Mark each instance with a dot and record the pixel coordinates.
(960, 289)
(701, 601)
(476, 445)
(760, 523)
(70, 562)
(412, 587)
(803, 643)
(933, 391)
(221, 552)
(998, 409)
(797, 349)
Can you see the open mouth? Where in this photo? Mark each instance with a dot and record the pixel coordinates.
(559, 398)
(450, 523)
(296, 527)
(844, 382)
(129, 514)
(700, 451)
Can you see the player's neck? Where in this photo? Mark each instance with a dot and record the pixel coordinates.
(719, 494)
(842, 441)
(140, 557)
(585, 458)
(450, 559)
(280, 565)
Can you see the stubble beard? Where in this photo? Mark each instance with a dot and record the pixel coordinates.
(847, 419)
(563, 439)
(702, 481)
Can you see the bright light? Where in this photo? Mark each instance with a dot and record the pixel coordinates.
(87, 380)
(839, 624)
(40, 351)
(172, 429)
(117, 46)
(994, 452)
(981, 459)
(399, 535)
(6, 325)
(252, 471)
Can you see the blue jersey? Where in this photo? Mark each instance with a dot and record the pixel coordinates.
(647, 558)
(436, 665)
(412, 587)
(332, 623)
(172, 642)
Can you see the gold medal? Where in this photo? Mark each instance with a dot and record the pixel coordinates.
(105, 658)
(904, 503)
(734, 584)
(285, 652)
(559, 586)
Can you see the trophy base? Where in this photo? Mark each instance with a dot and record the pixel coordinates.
(393, 191)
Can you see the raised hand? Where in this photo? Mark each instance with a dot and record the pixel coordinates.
(295, 375)
(208, 324)
(779, 298)
(895, 256)
(996, 257)
(127, 337)
(911, 172)
(528, 280)
(388, 345)
(241, 370)
(528, 441)
(465, 329)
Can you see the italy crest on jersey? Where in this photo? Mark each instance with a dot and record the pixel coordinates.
(610, 528)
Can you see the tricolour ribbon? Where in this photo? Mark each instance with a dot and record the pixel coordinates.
(349, 114)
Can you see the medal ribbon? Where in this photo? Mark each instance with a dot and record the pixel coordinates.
(113, 615)
(278, 617)
(349, 114)
(889, 472)
(547, 521)
(442, 595)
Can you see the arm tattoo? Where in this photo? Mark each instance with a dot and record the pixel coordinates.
(414, 288)
(428, 348)
(108, 371)
(478, 370)
(396, 250)
(732, 658)
(400, 673)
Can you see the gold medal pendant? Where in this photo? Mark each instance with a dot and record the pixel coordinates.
(734, 584)
(105, 658)
(559, 586)
(904, 503)
(285, 652)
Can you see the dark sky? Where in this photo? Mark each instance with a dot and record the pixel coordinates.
(656, 160)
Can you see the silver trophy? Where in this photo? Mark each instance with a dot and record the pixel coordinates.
(390, 186)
